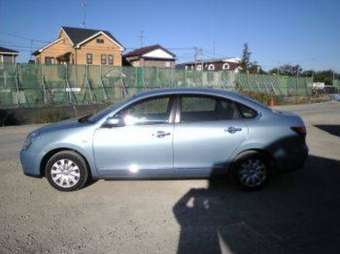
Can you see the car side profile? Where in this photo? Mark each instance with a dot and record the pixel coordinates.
(169, 133)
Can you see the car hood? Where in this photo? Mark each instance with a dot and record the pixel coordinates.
(63, 125)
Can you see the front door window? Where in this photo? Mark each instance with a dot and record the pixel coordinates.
(149, 111)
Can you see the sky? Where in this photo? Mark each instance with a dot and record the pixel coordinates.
(305, 32)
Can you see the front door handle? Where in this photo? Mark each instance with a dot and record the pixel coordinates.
(232, 129)
(161, 134)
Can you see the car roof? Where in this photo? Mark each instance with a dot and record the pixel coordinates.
(169, 91)
(202, 91)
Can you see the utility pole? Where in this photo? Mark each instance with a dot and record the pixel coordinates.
(197, 53)
(213, 48)
(31, 56)
(141, 38)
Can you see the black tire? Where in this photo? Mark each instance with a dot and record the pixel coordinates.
(246, 174)
(81, 170)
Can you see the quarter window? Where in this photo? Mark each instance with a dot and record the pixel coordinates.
(207, 108)
(150, 111)
(89, 58)
(247, 112)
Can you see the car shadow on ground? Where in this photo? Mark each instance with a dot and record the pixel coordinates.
(297, 212)
(331, 129)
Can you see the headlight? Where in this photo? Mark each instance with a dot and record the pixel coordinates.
(29, 140)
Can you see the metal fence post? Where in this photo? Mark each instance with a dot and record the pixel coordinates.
(17, 84)
(102, 83)
(43, 85)
(70, 93)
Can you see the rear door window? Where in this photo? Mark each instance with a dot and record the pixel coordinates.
(196, 108)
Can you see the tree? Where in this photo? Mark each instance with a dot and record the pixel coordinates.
(324, 76)
(287, 69)
(245, 59)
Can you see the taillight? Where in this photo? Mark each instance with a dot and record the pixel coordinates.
(300, 130)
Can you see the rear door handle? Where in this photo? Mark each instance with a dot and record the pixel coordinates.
(232, 129)
(161, 134)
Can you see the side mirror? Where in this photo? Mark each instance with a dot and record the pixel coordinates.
(114, 121)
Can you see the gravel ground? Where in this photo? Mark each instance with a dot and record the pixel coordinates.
(295, 213)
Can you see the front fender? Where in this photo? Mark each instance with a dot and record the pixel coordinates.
(85, 151)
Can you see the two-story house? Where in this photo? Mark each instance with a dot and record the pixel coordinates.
(81, 46)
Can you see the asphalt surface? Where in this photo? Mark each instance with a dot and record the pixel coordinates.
(294, 213)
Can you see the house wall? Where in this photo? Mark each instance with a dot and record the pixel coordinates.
(78, 55)
(97, 49)
(159, 63)
(153, 63)
(56, 49)
(214, 66)
(9, 59)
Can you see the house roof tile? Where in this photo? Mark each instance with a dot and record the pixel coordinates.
(7, 50)
(78, 35)
(147, 49)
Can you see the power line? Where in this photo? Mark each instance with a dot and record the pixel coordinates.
(24, 37)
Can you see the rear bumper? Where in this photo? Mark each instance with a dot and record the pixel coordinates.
(292, 157)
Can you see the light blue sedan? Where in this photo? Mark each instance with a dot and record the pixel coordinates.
(169, 133)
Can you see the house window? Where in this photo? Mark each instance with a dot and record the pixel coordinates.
(101, 41)
(103, 59)
(49, 60)
(110, 59)
(225, 66)
(211, 67)
(89, 58)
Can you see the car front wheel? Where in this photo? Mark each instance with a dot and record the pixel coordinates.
(66, 171)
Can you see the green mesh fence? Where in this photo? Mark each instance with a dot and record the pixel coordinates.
(336, 83)
(34, 85)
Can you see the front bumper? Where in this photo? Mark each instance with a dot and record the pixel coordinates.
(30, 163)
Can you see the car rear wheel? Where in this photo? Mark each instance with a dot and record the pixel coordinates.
(251, 171)
(66, 171)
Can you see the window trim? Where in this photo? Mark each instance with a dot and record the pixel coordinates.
(87, 58)
(211, 67)
(51, 58)
(171, 105)
(216, 97)
(100, 41)
(108, 59)
(103, 57)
